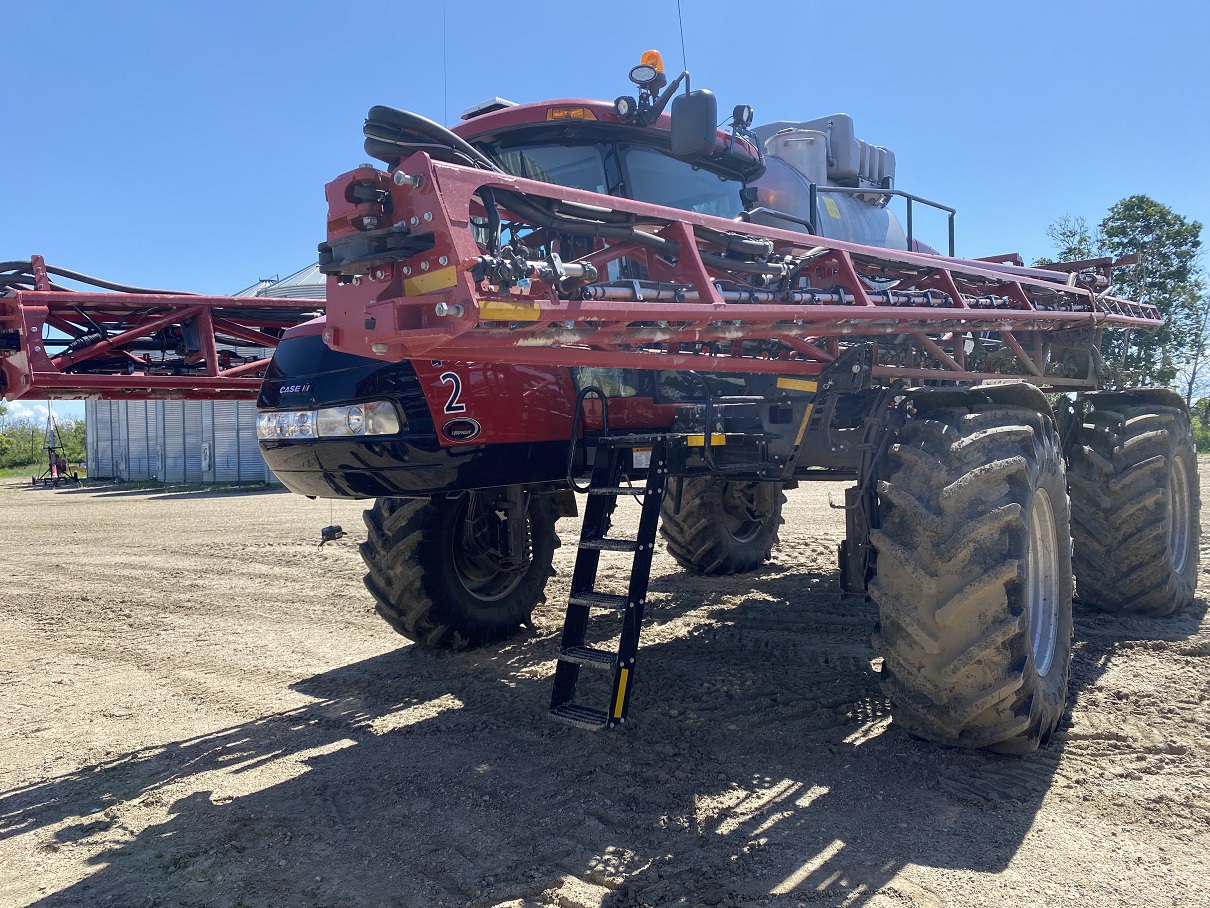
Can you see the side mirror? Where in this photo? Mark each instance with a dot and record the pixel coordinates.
(694, 119)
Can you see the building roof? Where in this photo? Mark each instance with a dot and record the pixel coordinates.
(308, 284)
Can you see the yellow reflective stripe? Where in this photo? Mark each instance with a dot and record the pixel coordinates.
(427, 283)
(617, 703)
(798, 384)
(501, 310)
(699, 441)
(802, 430)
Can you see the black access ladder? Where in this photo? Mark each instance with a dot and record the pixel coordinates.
(615, 458)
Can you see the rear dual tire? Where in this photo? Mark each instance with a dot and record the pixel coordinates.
(716, 527)
(1135, 503)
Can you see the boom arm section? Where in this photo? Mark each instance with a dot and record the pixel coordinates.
(444, 261)
(64, 343)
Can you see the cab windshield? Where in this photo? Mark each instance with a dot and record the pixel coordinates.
(634, 171)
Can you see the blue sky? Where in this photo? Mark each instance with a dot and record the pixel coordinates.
(187, 145)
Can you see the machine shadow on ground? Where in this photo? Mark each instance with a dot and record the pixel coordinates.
(152, 491)
(761, 765)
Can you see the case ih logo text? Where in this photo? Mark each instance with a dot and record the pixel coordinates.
(294, 389)
(462, 429)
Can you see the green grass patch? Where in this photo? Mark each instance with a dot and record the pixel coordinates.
(31, 470)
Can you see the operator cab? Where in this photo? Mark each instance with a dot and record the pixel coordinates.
(629, 148)
(613, 159)
(811, 176)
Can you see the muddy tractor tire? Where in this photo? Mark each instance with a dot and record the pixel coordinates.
(717, 527)
(973, 577)
(1135, 503)
(434, 570)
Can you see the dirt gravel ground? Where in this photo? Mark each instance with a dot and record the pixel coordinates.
(198, 707)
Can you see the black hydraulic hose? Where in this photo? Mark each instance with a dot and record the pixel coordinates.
(84, 340)
(732, 242)
(493, 219)
(723, 263)
(605, 215)
(110, 285)
(391, 152)
(707, 420)
(389, 124)
(525, 208)
(76, 276)
(91, 321)
(576, 421)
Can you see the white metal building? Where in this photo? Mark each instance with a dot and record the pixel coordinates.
(187, 441)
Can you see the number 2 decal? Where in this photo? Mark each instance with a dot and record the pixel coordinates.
(453, 405)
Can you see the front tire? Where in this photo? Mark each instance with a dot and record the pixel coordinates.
(434, 570)
(1135, 504)
(717, 527)
(973, 576)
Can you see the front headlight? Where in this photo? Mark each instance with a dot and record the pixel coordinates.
(286, 424)
(378, 417)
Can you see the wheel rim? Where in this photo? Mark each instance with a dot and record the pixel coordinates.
(1180, 515)
(475, 563)
(1042, 583)
(746, 508)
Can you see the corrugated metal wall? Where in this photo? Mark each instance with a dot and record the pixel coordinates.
(228, 441)
(188, 441)
(174, 441)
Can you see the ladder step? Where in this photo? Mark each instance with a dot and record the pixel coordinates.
(598, 600)
(580, 716)
(610, 545)
(587, 655)
(618, 490)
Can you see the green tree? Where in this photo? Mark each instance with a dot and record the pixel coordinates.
(1166, 276)
(1073, 240)
(72, 438)
(1193, 378)
(22, 442)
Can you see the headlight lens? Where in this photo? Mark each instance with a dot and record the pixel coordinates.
(381, 418)
(377, 417)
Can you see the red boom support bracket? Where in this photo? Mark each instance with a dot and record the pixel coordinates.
(71, 344)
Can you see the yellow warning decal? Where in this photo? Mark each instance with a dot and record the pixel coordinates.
(427, 283)
(830, 204)
(802, 430)
(504, 311)
(699, 441)
(798, 384)
(621, 697)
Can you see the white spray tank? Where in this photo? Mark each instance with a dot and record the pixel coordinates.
(825, 152)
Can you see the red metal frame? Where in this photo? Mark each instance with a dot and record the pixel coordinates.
(121, 365)
(927, 311)
(931, 309)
